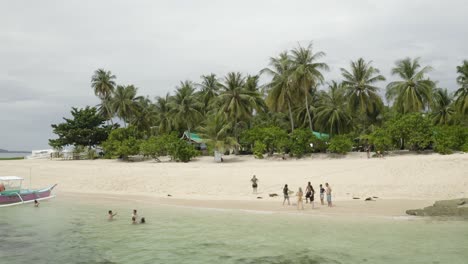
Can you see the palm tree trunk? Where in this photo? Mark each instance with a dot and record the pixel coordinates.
(308, 111)
(290, 116)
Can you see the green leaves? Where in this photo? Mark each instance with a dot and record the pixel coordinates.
(86, 128)
(340, 144)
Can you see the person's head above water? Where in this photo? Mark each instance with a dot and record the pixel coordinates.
(110, 211)
(142, 221)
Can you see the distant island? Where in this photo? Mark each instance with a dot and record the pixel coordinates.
(13, 151)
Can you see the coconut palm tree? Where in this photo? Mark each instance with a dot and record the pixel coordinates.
(103, 83)
(306, 72)
(332, 114)
(281, 94)
(185, 108)
(209, 90)
(412, 93)
(163, 114)
(215, 131)
(442, 107)
(362, 94)
(124, 102)
(236, 102)
(144, 116)
(105, 109)
(462, 93)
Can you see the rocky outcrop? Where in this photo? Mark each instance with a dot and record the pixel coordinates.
(457, 207)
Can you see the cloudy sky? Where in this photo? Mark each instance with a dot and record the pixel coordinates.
(49, 49)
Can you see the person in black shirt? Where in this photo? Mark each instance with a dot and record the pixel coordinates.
(286, 194)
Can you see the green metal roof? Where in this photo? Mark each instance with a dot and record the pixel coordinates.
(193, 136)
(319, 135)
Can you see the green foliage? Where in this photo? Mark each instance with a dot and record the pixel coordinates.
(381, 140)
(414, 131)
(273, 138)
(449, 138)
(300, 140)
(86, 128)
(181, 150)
(340, 144)
(259, 149)
(122, 142)
(154, 146)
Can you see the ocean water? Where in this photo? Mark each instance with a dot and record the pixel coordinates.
(13, 154)
(65, 230)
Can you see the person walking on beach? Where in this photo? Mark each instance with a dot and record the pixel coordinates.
(111, 215)
(308, 192)
(286, 194)
(328, 190)
(300, 203)
(254, 181)
(322, 194)
(36, 203)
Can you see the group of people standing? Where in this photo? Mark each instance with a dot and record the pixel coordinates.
(309, 194)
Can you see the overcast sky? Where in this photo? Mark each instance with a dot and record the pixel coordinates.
(49, 49)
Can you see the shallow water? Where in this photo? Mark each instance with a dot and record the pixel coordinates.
(69, 231)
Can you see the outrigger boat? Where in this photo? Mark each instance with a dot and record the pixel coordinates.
(12, 194)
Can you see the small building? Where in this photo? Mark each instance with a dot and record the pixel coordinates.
(194, 139)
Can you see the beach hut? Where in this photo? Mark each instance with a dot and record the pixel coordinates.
(194, 139)
(321, 136)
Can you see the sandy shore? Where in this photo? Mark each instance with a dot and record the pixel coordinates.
(400, 182)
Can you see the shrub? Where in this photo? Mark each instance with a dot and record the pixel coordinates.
(340, 144)
(411, 131)
(447, 139)
(181, 150)
(259, 149)
(381, 140)
(274, 138)
(121, 143)
(299, 142)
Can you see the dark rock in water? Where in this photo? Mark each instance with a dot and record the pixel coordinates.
(169, 195)
(443, 208)
(369, 199)
(259, 197)
(355, 198)
(273, 194)
(375, 197)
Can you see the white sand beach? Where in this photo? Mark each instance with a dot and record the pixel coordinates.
(400, 182)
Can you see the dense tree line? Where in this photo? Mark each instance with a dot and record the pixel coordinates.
(231, 111)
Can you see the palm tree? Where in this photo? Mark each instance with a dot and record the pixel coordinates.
(145, 114)
(413, 93)
(280, 93)
(236, 102)
(209, 90)
(105, 109)
(215, 131)
(124, 102)
(103, 83)
(163, 114)
(305, 72)
(361, 91)
(442, 110)
(332, 113)
(462, 93)
(185, 109)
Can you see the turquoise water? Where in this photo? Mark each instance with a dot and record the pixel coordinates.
(70, 231)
